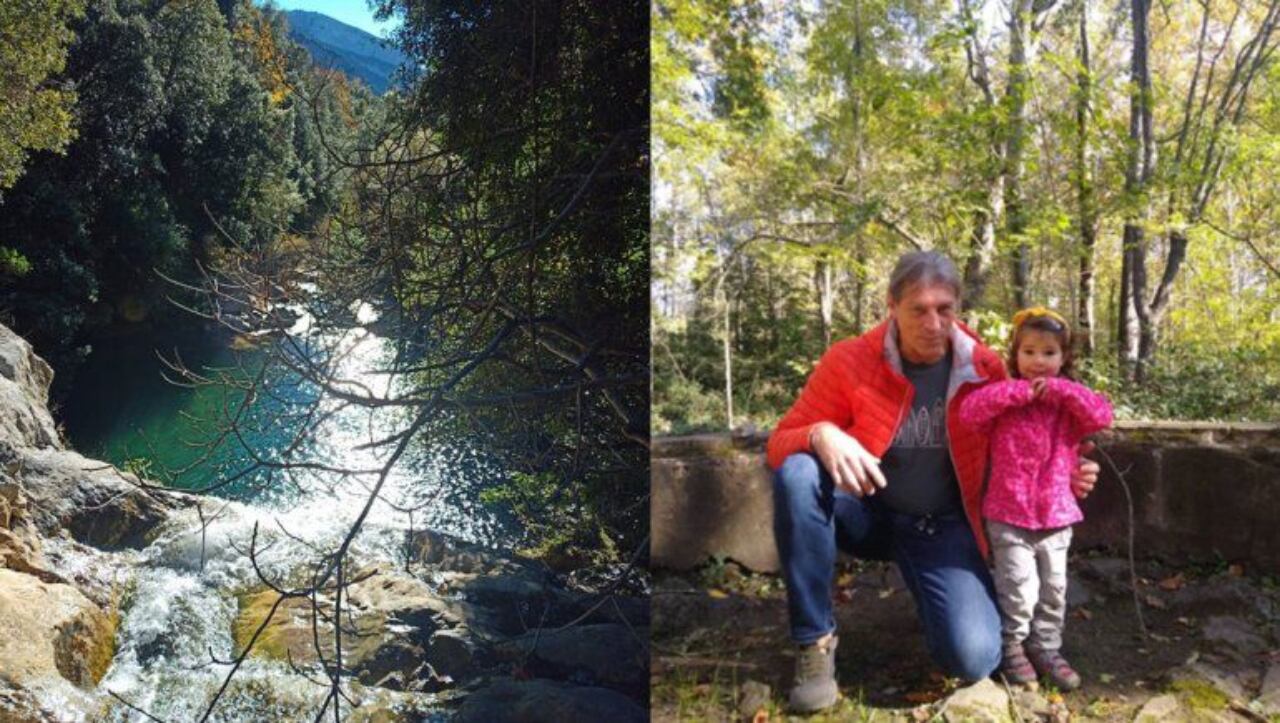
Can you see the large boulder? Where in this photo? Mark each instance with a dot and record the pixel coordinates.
(51, 629)
(24, 395)
(389, 632)
(606, 654)
(97, 503)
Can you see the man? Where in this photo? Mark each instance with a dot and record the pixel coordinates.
(870, 459)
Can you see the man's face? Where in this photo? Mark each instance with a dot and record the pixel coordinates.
(924, 315)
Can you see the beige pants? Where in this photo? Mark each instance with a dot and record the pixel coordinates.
(1031, 583)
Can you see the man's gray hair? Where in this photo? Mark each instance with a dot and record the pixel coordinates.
(923, 267)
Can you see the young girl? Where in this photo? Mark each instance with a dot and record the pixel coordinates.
(1035, 422)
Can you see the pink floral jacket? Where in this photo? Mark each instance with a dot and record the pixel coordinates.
(1034, 448)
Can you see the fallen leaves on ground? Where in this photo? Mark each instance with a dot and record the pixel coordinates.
(717, 593)
(1155, 602)
(1173, 582)
(761, 716)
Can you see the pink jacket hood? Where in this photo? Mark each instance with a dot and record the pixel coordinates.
(1034, 447)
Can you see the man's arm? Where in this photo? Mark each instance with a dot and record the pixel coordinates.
(821, 400)
(1085, 475)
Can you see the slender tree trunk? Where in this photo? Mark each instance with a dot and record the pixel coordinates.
(859, 283)
(982, 245)
(1016, 105)
(728, 354)
(823, 283)
(1084, 190)
(1138, 172)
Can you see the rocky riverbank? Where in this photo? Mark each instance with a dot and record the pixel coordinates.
(114, 595)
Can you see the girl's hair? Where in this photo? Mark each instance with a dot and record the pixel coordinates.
(1041, 319)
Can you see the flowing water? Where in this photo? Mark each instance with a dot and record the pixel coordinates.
(175, 632)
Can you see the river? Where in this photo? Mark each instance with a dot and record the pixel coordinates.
(180, 601)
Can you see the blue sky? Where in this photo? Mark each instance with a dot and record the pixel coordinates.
(351, 12)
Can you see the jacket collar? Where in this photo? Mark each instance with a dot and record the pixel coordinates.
(964, 366)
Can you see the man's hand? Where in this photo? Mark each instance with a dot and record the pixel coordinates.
(1085, 475)
(850, 465)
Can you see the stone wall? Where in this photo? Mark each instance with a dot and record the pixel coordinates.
(1200, 491)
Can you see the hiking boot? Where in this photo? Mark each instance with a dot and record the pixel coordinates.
(815, 683)
(1053, 666)
(1014, 666)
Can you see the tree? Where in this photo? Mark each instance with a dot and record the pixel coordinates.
(36, 115)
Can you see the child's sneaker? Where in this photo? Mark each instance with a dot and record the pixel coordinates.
(1053, 666)
(1014, 666)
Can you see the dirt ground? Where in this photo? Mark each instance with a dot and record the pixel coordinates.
(720, 649)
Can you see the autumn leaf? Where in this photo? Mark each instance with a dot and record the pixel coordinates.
(1155, 602)
(1173, 582)
(1054, 698)
(845, 580)
(1235, 570)
(761, 716)
(1084, 614)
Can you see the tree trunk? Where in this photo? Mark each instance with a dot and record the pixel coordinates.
(1016, 103)
(859, 284)
(1084, 191)
(823, 283)
(723, 298)
(982, 245)
(1138, 172)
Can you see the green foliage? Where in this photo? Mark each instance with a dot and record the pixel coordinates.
(179, 154)
(139, 466)
(878, 136)
(562, 529)
(36, 114)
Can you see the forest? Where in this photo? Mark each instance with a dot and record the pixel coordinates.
(370, 330)
(1113, 161)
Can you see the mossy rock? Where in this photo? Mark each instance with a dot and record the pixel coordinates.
(289, 635)
(1200, 694)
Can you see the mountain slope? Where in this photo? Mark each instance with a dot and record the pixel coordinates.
(334, 44)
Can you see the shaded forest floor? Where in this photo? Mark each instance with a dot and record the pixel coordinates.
(721, 650)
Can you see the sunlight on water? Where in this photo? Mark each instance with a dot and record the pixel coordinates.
(174, 638)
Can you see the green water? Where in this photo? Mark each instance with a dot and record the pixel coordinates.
(122, 410)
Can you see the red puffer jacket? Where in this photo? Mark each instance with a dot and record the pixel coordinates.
(858, 386)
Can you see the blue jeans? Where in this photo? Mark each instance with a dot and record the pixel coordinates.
(937, 555)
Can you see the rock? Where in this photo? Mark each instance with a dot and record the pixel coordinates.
(1105, 569)
(1233, 636)
(49, 629)
(752, 696)
(1159, 709)
(450, 653)
(289, 635)
(1206, 681)
(1028, 701)
(1077, 592)
(982, 701)
(448, 553)
(1269, 694)
(606, 654)
(545, 701)
(1220, 595)
(24, 395)
(394, 665)
(95, 502)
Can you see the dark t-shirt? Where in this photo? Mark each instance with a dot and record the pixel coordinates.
(917, 467)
